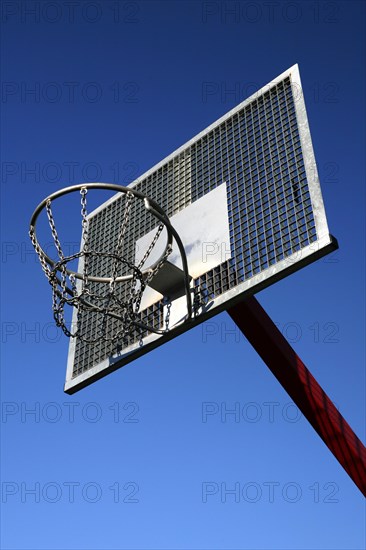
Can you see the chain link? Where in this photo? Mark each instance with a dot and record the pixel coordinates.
(53, 229)
(150, 248)
(85, 238)
(57, 300)
(121, 236)
(40, 254)
(167, 316)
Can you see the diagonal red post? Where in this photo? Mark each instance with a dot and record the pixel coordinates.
(302, 387)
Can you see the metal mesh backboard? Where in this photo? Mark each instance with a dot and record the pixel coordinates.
(245, 198)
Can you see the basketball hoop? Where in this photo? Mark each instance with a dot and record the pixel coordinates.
(102, 295)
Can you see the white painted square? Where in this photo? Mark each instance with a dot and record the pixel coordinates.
(203, 227)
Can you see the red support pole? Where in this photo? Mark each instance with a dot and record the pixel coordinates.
(302, 387)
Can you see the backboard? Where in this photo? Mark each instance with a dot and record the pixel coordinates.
(245, 198)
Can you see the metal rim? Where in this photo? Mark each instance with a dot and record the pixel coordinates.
(150, 205)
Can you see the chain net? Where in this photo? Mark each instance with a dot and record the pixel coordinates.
(106, 300)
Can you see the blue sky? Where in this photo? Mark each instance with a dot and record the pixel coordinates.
(133, 461)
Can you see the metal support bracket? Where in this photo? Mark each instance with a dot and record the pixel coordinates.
(170, 281)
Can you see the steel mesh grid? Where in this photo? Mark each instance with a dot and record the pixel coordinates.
(257, 152)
